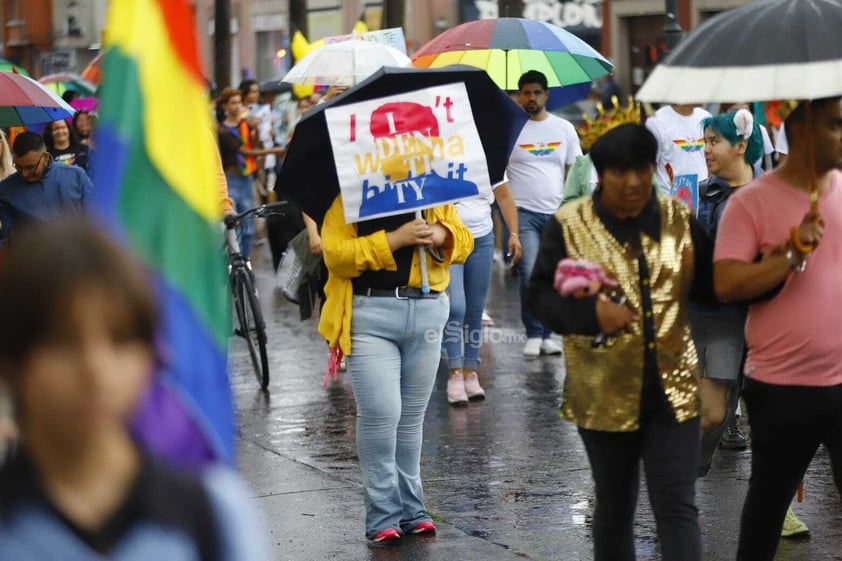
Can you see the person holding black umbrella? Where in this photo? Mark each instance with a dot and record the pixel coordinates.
(793, 388)
(391, 332)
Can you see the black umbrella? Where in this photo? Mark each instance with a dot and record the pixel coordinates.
(308, 175)
(766, 50)
(275, 87)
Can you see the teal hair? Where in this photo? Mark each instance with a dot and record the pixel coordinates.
(723, 125)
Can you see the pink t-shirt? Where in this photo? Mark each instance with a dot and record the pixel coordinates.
(796, 337)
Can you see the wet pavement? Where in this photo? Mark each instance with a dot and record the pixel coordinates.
(504, 479)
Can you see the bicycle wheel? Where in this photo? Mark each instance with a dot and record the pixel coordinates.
(252, 327)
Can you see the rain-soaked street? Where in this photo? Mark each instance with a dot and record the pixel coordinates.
(504, 479)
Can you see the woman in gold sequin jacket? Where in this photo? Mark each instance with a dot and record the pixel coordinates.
(636, 396)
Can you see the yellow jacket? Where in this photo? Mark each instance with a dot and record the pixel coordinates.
(347, 256)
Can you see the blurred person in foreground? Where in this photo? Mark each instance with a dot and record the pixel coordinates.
(78, 358)
(787, 264)
(636, 396)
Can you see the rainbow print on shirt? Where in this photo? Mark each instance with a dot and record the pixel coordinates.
(690, 145)
(543, 148)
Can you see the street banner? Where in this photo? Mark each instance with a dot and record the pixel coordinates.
(407, 152)
(392, 37)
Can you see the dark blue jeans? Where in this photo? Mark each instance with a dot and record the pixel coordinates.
(670, 454)
(531, 225)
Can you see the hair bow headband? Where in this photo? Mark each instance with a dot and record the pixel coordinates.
(744, 121)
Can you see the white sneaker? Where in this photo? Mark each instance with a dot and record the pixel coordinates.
(487, 320)
(548, 347)
(532, 347)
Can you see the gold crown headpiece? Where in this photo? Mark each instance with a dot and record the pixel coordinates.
(787, 107)
(604, 121)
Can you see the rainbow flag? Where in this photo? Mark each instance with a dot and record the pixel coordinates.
(155, 190)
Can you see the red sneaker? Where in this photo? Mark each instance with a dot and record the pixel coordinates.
(387, 536)
(424, 528)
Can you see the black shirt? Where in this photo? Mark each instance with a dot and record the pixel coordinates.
(159, 494)
(403, 256)
(76, 155)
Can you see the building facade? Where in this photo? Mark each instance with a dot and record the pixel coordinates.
(47, 36)
(633, 33)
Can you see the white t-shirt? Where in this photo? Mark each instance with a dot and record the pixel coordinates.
(263, 113)
(537, 164)
(475, 212)
(681, 144)
(781, 143)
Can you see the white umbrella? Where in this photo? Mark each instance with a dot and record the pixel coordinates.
(344, 64)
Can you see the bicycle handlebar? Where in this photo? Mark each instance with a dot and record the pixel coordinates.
(260, 212)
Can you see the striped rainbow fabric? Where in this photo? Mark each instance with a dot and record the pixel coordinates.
(155, 189)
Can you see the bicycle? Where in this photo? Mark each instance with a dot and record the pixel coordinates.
(250, 324)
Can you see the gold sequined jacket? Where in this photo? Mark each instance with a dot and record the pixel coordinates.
(603, 385)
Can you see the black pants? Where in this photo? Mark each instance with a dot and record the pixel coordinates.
(788, 423)
(670, 454)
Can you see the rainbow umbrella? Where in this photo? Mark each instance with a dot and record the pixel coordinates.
(507, 47)
(64, 81)
(9, 66)
(24, 102)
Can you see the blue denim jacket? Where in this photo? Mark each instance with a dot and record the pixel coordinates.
(62, 189)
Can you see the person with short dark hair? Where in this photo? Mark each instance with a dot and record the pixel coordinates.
(40, 190)
(633, 396)
(773, 251)
(543, 153)
(83, 124)
(78, 357)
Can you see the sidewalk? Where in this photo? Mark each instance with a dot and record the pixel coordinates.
(504, 479)
(313, 516)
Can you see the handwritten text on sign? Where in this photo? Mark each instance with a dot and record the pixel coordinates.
(407, 152)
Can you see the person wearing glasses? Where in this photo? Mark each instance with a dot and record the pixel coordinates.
(39, 189)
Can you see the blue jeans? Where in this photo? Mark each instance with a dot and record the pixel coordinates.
(241, 191)
(531, 226)
(395, 347)
(468, 288)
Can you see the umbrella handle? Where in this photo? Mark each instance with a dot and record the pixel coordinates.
(802, 248)
(795, 239)
(422, 259)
